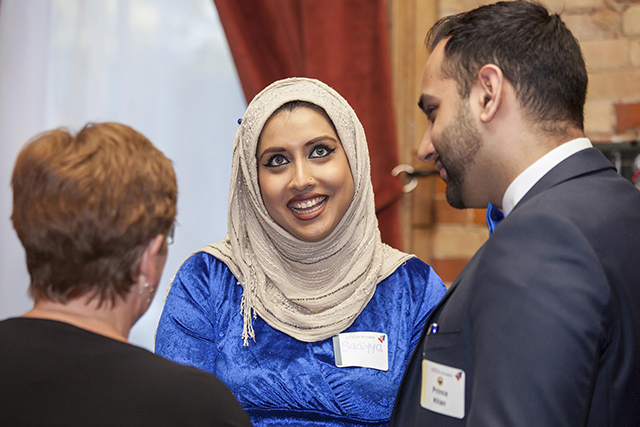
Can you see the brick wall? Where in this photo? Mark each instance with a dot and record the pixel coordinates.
(609, 33)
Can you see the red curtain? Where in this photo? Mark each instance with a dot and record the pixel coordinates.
(345, 44)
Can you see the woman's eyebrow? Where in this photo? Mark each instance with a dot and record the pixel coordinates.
(320, 138)
(271, 150)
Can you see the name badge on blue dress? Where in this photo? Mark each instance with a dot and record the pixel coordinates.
(363, 349)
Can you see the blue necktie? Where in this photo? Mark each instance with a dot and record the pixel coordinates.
(494, 216)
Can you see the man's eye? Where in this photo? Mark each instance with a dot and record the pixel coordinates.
(276, 160)
(431, 114)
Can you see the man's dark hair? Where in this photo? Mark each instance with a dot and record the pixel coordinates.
(536, 52)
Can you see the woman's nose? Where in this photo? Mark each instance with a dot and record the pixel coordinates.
(302, 176)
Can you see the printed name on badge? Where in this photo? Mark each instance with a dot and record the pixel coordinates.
(442, 389)
(363, 349)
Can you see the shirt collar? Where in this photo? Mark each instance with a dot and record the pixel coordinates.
(531, 175)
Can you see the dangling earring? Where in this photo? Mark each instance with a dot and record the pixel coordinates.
(150, 295)
(148, 290)
(144, 287)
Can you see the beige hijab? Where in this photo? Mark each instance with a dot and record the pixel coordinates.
(308, 290)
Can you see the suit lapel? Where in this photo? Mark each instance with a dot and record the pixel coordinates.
(583, 162)
(453, 287)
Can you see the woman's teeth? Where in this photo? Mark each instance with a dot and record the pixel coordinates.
(308, 206)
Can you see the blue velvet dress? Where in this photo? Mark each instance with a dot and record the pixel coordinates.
(279, 380)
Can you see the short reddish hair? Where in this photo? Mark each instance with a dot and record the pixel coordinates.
(86, 206)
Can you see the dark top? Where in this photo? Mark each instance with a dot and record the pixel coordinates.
(56, 374)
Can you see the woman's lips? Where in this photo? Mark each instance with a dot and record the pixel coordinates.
(307, 208)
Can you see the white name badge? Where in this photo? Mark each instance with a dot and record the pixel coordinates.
(442, 389)
(364, 349)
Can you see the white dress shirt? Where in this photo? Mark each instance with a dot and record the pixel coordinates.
(531, 175)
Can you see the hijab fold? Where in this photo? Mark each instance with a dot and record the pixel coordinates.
(308, 290)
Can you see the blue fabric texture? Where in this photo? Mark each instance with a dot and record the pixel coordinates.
(279, 380)
(494, 216)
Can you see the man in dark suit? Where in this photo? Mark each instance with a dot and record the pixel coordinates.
(542, 327)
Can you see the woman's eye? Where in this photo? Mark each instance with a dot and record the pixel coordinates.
(276, 160)
(321, 151)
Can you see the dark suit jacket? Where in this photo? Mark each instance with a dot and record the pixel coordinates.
(545, 318)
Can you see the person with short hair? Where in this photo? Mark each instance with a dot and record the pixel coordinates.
(95, 213)
(301, 310)
(542, 327)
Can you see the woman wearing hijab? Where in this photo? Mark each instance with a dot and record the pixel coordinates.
(301, 310)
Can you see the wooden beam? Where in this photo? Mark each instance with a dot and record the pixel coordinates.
(409, 22)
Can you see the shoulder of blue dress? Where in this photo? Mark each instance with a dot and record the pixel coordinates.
(206, 261)
(421, 277)
(415, 265)
(204, 268)
(410, 271)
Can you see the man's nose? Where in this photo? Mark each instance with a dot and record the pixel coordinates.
(426, 151)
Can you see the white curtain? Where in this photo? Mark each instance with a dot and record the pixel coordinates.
(160, 66)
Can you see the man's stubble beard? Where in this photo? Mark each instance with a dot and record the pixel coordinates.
(457, 149)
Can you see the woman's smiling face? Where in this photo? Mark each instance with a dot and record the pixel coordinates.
(304, 174)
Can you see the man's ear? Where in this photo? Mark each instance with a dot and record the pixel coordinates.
(148, 261)
(489, 97)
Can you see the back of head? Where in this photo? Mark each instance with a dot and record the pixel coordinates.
(86, 206)
(536, 52)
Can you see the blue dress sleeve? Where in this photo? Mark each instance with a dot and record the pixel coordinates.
(428, 290)
(187, 329)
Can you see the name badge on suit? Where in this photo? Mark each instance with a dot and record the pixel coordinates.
(443, 386)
